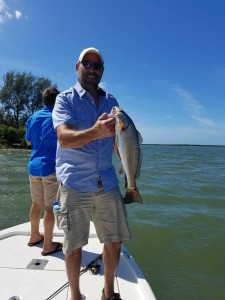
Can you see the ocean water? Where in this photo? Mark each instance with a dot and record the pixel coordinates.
(178, 233)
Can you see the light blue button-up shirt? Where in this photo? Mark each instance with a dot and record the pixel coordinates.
(80, 168)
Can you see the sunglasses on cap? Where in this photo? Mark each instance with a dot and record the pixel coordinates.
(87, 64)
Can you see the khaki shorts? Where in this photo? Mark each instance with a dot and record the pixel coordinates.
(44, 189)
(105, 209)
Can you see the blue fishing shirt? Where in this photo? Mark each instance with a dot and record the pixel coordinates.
(80, 168)
(40, 132)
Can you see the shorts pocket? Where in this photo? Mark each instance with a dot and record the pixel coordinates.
(61, 220)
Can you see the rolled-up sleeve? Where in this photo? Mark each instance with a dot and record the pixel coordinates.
(62, 112)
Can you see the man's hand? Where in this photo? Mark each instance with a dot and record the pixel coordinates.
(105, 125)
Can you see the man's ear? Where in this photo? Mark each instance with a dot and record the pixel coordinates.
(77, 67)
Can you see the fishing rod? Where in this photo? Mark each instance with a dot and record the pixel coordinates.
(91, 266)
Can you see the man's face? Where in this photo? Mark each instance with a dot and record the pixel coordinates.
(90, 71)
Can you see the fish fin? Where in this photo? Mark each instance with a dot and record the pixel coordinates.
(116, 147)
(125, 180)
(132, 195)
(120, 125)
(140, 139)
(121, 169)
(139, 166)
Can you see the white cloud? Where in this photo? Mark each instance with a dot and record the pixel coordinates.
(193, 107)
(103, 85)
(2, 5)
(18, 14)
(6, 14)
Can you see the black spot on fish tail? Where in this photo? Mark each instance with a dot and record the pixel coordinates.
(132, 195)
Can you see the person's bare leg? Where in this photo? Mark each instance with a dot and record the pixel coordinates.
(49, 221)
(73, 264)
(111, 256)
(35, 215)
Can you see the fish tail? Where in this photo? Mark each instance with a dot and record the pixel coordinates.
(132, 195)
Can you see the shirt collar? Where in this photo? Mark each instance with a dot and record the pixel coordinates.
(49, 107)
(81, 91)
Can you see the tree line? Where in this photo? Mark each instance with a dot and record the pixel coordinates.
(20, 97)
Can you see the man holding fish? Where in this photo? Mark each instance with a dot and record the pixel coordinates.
(84, 118)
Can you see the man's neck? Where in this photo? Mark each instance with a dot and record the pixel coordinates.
(95, 94)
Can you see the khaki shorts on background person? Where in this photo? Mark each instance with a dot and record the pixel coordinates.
(105, 209)
(44, 189)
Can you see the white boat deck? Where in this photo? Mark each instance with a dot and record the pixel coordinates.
(25, 273)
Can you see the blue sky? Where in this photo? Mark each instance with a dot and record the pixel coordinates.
(164, 59)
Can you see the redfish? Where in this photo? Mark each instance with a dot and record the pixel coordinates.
(127, 146)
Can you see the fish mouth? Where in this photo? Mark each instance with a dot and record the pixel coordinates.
(115, 110)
